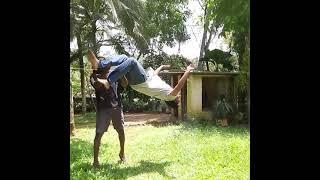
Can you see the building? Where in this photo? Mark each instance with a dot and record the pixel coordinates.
(202, 91)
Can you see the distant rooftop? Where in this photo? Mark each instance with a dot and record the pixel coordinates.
(207, 73)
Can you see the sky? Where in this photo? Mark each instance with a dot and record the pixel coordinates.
(189, 49)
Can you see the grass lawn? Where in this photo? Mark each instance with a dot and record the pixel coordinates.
(169, 152)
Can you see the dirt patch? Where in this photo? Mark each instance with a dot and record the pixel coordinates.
(138, 119)
(134, 119)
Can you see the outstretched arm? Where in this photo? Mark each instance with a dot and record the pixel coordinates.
(182, 81)
(156, 72)
(93, 60)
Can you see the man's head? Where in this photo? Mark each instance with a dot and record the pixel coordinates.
(105, 68)
(102, 73)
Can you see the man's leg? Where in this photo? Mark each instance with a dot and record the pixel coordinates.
(182, 81)
(93, 60)
(127, 66)
(118, 124)
(122, 141)
(106, 63)
(132, 69)
(102, 123)
(96, 147)
(112, 61)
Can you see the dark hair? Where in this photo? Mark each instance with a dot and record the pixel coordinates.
(173, 104)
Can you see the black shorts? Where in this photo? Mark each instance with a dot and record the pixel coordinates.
(105, 115)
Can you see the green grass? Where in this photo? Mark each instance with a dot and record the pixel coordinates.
(170, 152)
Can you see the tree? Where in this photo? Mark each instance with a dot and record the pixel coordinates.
(155, 60)
(84, 16)
(164, 23)
(230, 15)
(204, 35)
(81, 65)
(161, 22)
(209, 27)
(219, 57)
(140, 31)
(77, 23)
(234, 16)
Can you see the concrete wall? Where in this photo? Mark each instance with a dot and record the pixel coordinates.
(194, 94)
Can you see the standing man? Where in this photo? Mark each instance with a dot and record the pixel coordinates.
(109, 107)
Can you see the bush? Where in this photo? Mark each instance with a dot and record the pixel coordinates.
(77, 104)
(136, 106)
(223, 109)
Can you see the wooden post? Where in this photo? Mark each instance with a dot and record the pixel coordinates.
(184, 101)
(179, 107)
(172, 85)
(235, 94)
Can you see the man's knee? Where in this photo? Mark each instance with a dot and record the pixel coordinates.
(98, 137)
(120, 131)
(132, 61)
(124, 57)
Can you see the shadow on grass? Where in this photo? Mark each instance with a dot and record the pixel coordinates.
(115, 171)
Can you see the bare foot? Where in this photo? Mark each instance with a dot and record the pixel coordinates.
(96, 164)
(93, 60)
(122, 159)
(104, 82)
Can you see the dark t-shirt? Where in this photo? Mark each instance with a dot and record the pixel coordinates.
(107, 98)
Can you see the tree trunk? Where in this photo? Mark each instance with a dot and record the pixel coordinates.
(83, 94)
(94, 38)
(130, 95)
(240, 60)
(72, 124)
(204, 38)
(212, 31)
(206, 47)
